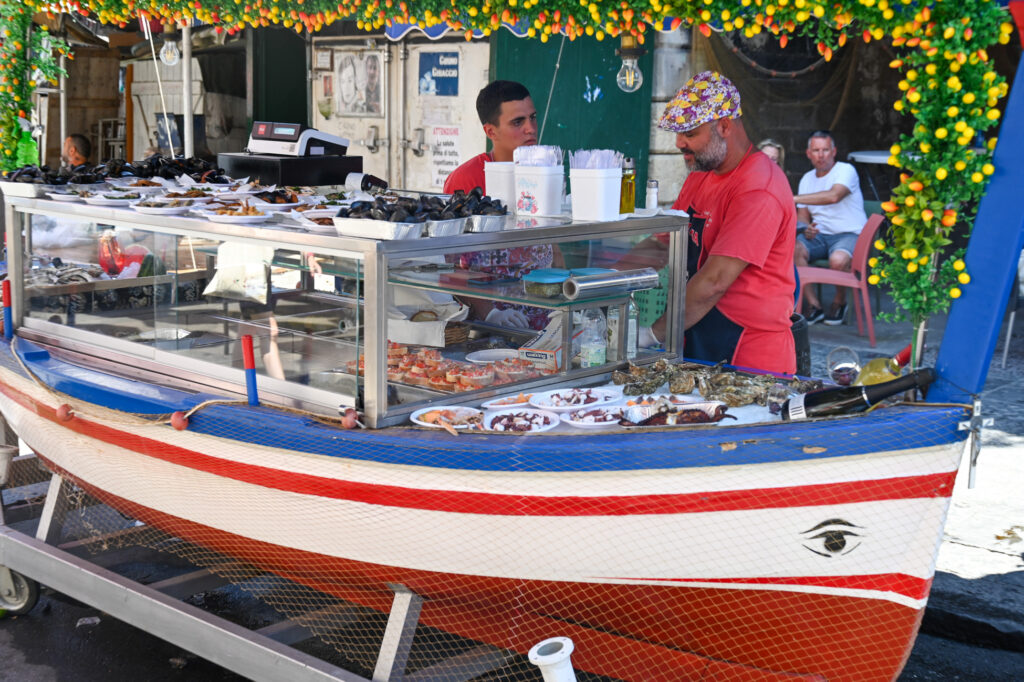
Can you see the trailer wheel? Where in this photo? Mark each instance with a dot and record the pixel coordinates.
(24, 598)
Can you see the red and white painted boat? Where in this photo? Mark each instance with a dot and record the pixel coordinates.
(762, 552)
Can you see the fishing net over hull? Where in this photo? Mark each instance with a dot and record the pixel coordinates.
(764, 552)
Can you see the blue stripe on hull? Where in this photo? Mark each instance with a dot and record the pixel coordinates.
(897, 428)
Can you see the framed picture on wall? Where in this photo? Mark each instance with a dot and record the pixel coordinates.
(323, 60)
(358, 84)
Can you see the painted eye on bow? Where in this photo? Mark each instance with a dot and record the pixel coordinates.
(834, 537)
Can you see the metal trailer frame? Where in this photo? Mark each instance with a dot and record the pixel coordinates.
(158, 609)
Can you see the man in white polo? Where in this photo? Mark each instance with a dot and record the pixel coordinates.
(830, 203)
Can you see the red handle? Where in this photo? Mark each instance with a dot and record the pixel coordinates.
(7, 293)
(248, 359)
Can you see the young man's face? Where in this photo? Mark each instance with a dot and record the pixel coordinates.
(67, 151)
(516, 127)
(822, 154)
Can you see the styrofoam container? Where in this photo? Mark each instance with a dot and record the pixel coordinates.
(376, 229)
(595, 193)
(500, 177)
(538, 190)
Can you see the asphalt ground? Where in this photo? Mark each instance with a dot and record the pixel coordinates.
(973, 628)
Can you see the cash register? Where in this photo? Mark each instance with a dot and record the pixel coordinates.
(291, 154)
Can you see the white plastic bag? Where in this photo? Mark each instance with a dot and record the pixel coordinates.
(243, 272)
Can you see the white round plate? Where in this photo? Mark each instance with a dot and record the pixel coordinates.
(162, 210)
(482, 357)
(310, 226)
(57, 196)
(101, 200)
(458, 409)
(500, 404)
(605, 397)
(236, 219)
(567, 418)
(489, 416)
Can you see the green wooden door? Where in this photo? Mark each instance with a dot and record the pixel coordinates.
(588, 111)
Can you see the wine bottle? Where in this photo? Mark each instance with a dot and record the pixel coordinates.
(883, 369)
(365, 182)
(849, 399)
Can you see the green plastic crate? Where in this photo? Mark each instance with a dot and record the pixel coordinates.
(650, 303)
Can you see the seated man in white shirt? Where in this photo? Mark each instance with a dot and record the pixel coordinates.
(830, 203)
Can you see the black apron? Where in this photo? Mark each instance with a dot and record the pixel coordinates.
(714, 337)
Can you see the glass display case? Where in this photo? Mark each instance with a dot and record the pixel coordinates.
(388, 326)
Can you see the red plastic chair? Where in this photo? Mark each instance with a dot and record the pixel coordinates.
(856, 279)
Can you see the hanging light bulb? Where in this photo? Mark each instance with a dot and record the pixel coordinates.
(630, 77)
(169, 54)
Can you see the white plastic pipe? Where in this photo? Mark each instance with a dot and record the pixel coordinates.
(552, 657)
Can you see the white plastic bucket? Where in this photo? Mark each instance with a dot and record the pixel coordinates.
(539, 190)
(500, 177)
(595, 193)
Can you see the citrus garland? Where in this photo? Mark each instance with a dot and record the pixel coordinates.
(25, 60)
(949, 84)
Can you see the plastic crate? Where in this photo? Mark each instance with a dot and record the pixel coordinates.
(650, 303)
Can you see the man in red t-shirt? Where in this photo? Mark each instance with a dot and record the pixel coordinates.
(739, 295)
(510, 121)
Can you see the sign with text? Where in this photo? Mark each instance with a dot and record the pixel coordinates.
(445, 156)
(439, 73)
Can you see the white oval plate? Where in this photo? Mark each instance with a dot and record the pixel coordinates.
(196, 200)
(265, 206)
(605, 397)
(128, 189)
(104, 201)
(567, 418)
(458, 409)
(57, 196)
(674, 398)
(236, 219)
(488, 417)
(482, 357)
(162, 210)
(498, 404)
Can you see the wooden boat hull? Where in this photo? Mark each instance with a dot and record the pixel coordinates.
(812, 561)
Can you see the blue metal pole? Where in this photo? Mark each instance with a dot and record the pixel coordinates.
(976, 317)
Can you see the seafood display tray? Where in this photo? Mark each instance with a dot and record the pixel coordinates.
(377, 229)
(30, 190)
(487, 223)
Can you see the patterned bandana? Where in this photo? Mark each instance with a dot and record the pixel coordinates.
(708, 96)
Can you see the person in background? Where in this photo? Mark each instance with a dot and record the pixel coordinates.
(76, 151)
(739, 295)
(774, 151)
(509, 120)
(830, 202)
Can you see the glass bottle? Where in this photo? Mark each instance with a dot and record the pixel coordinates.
(883, 369)
(594, 341)
(850, 399)
(651, 198)
(627, 195)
